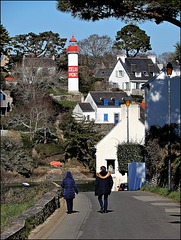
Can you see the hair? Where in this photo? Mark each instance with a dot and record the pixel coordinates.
(103, 168)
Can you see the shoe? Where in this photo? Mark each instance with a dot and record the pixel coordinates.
(102, 209)
(105, 211)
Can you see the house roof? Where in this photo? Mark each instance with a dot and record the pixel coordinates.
(86, 107)
(143, 65)
(153, 78)
(104, 73)
(99, 96)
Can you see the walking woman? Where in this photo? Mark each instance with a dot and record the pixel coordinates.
(103, 185)
(70, 188)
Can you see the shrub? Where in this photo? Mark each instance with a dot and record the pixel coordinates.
(46, 150)
(128, 153)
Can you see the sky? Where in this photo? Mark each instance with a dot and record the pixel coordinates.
(22, 17)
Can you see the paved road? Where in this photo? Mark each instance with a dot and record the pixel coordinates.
(131, 215)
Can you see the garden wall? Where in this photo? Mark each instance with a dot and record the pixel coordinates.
(34, 216)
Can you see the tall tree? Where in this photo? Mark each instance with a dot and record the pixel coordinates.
(176, 57)
(134, 40)
(45, 44)
(95, 45)
(5, 40)
(139, 10)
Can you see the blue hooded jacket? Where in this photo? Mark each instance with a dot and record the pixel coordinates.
(69, 186)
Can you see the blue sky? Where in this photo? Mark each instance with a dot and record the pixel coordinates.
(21, 17)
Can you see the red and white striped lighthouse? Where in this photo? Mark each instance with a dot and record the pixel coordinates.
(73, 79)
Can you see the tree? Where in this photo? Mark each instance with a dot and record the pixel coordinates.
(95, 45)
(134, 41)
(45, 44)
(36, 115)
(165, 57)
(138, 10)
(176, 57)
(76, 135)
(4, 40)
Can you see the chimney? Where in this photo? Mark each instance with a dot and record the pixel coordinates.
(122, 56)
(153, 58)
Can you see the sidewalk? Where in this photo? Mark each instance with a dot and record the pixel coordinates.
(62, 225)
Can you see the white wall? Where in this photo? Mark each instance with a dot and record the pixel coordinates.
(156, 100)
(118, 80)
(107, 147)
(78, 114)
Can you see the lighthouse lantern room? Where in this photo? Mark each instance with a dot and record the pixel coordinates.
(73, 79)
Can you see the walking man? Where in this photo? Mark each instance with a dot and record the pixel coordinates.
(103, 185)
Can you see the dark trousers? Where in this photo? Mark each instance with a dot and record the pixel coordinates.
(105, 201)
(69, 205)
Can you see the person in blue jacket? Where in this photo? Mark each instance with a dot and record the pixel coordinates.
(70, 188)
(103, 186)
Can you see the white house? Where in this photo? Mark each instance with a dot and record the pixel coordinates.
(156, 99)
(129, 74)
(130, 128)
(103, 107)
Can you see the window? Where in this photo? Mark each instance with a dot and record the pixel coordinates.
(127, 86)
(116, 118)
(88, 117)
(111, 165)
(120, 73)
(105, 117)
(105, 102)
(116, 102)
(137, 74)
(145, 74)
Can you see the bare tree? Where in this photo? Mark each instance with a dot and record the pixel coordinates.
(37, 116)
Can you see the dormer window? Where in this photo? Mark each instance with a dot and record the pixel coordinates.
(145, 74)
(116, 101)
(137, 74)
(105, 102)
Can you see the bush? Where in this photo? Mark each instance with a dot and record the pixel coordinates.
(50, 149)
(128, 153)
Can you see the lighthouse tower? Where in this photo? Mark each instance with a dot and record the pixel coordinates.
(73, 80)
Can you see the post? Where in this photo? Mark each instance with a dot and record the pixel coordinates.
(169, 68)
(169, 144)
(127, 124)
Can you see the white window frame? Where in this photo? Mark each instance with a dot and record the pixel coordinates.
(120, 73)
(137, 74)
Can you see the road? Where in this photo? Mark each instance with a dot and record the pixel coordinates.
(131, 215)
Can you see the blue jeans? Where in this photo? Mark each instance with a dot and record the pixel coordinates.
(69, 205)
(105, 201)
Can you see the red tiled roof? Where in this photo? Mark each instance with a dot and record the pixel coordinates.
(143, 105)
(10, 79)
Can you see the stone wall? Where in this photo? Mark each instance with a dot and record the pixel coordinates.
(34, 216)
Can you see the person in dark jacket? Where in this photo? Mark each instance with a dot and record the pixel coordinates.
(70, 188)
(103, 186)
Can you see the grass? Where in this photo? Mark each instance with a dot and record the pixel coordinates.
(67, 104)
(10, 211)
(19, 202)
(175, 195)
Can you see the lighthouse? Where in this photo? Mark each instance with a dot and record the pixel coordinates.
(73, 79)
